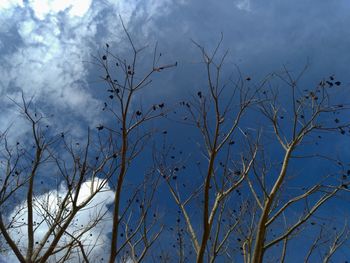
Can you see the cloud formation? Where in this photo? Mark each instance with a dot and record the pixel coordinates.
(48, 61)
(42, 8)
(94, 240)
(45, 46)
(48, 45)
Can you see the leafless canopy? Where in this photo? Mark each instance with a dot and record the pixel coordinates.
(250, 192)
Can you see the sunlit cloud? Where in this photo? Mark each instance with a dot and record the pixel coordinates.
(48, 59)
(93, 240)
(42, 8)
(54, 39)
(6, 4)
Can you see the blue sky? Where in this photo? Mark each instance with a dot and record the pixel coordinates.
(47, 46)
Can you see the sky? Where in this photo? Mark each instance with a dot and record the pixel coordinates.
(94, 239)
(47, 48)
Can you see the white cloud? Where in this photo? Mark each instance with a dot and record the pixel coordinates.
(7, 4)
(54, 38)
(48, 59)
(94, 240)
(243, 5)
(43, 8)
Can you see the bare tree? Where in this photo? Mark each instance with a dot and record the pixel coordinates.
(249, 197)
(42, 227)
(289, 120)
(310, 114)
(217, 113)
(131, 131)
(102, 162)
